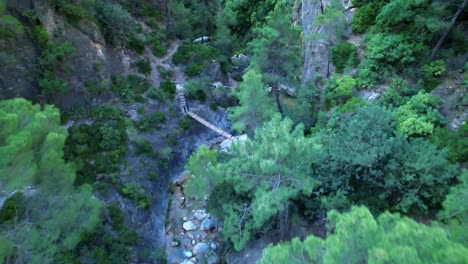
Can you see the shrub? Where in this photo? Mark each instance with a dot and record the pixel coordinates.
(129, 88)
(194, 69)
(185, 122)
(40, 36)
(95, 87)
(364, 18)
(136, 45)
(339, 90)
(143, 147)
(137, 194)
(51, 85)
(158, 48)
(117, 24)
(344, 54)
(72, 11)
(164, 157)
(10, 27)
(431, 74)
(157, 94)
(143, 66)
(168, 87)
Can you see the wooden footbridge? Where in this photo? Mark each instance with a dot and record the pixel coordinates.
(186, 110)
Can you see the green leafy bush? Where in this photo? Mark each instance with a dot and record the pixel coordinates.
(136, 44)
(137, 194)
(51, 85)
(74, 12)
(339, 90)
(10, 27)
(185, 122)
(344, 54)
(431, 74)
(158, 47)
(168, 87)
(418, 116)
(129, 88)
(193, 70)
(364, 18)
(157, 94)
(143, 66)
(143, 147)
(117, 24)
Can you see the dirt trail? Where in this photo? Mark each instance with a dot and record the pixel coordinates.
(178, 75)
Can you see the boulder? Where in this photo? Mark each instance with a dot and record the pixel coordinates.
(200, 248)
(174, 243)
(208, 224)
(213, 246)
(200, 214)
(189, 226)
(188, 254)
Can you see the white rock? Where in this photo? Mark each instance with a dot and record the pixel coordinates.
(189, 226)
(174, 243)
(200, 214)
(213, 246)
(208, 224)
(185, 218)
(188, 254)
(193, 242)
(200, 248)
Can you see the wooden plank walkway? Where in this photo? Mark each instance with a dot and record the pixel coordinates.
(185, 109)
(209, 125)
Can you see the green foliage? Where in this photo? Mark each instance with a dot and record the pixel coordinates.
(129, 88)
(117, 24)
(339, 90)
(51, 85)
(431, 74)
(277, 47)
(168, 87)
(143, 66)
(52, 62)
(194, 69)
(137, 194)
(31, 143)
(155, 121)
(255, 107)
(136, 44)
(363, 19)
(10, 27)
(159, 50)
(456, 142)
(194, 54)
(143, 147)
(363, 156)
(158, 94)
(97, 148)
(419, 116)
(344, 55)
(356, 237)
(13, 208)
(185, 122)
(74, 12)
(455, 212)
(390, 50)
(197, 89)
(259, 179)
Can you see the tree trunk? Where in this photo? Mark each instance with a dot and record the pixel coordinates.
(277, 94)
(442, 39)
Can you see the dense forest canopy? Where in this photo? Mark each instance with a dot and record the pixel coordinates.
(353, 116)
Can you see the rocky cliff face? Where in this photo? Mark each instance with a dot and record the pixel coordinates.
(317, 39)
(19, 78)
